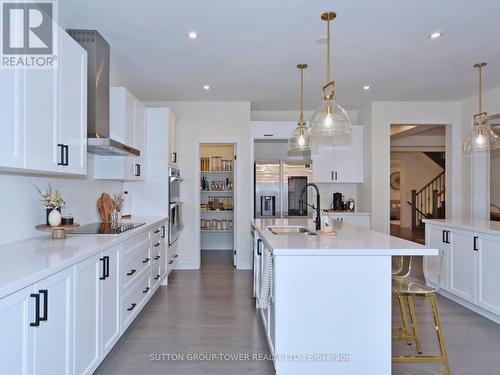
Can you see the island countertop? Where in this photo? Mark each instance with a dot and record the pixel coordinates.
(350, 240)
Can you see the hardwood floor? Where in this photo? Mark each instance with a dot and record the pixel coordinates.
(211, 311)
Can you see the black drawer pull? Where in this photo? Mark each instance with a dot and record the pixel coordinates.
(45, 294)
(103, 277)
(156, 257)
(131, 272)
(157, 277)
(132, 307)
(156, 244)
(475, 243)
(157, 231)
(36, 296)
(176, 255)
(170, 261)
(259, 250)
(145, 260)
(163, 231)
(146, 290)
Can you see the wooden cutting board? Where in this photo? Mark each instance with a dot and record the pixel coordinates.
(104, 205)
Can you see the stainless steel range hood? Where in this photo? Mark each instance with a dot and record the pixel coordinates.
(99, 141)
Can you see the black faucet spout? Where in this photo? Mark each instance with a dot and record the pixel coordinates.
(317, 208)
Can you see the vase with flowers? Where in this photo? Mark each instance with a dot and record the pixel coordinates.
(116, 208)
(53, 201)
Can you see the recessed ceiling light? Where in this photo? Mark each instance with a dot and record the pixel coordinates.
(192, 35)
(206, 87)
(367, 87)
(435, 35)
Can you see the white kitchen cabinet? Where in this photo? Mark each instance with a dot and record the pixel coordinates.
(53, 338)
(488, 264)
(87, 315)
(16, 348)
(73, 106)
(436, 268)
(110, 299)
(127, 125)
(173, 141)
(41, 137)
(11, 118)
(342, 160)
(44, 112)
(463, 265)
(272, 129)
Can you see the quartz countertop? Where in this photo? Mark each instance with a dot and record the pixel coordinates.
(351, 240)
(348, 213)
(26, 262)
(480, 226)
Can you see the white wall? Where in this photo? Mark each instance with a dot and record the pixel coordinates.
(212, 122)
(21, 209)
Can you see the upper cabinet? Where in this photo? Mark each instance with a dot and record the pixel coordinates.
(272, 129)
(173, 140)
(44, 114)
(127, 119)
(341, 161)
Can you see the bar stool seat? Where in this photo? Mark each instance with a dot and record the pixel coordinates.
(409, 287)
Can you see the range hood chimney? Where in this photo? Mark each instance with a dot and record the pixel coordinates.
(99, 141)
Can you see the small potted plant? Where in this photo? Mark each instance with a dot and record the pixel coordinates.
(116, 208)
(53, 201)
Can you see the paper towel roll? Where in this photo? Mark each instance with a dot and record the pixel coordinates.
(127, 204)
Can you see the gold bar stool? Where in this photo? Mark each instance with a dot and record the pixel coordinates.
(410, 287)
(400, 267)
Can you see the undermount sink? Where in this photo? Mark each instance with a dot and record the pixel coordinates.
(290, 229)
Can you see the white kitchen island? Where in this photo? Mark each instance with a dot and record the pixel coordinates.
(330, 305)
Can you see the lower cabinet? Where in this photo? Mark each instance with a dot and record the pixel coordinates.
(470, 265)
(38, 322)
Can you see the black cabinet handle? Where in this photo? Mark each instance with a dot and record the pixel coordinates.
(145, 260)
(146, 290)
(332, 176)
(444, 236)
(62, 154)
(447, 236)
(176, 255)
(335, 175)
(103, 277)
(106, 261)
(163, 231)
(131, 272)
(157, 231)
(156, 244)
(259, 251)
(475, 243)
(157, 277)
(66, 154)
(36, 296)
(175, 157)
(156, 257)
(170, 261)
(45, 294)
(132, 307)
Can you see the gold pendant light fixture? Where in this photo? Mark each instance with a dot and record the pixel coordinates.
(330, 118)
(481, 137)
(300, 140)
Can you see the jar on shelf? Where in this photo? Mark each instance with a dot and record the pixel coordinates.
(230, 225)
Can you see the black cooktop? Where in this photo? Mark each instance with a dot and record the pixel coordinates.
(105, 228)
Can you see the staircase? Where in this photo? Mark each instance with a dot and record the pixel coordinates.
(437, 157)
(428, 202)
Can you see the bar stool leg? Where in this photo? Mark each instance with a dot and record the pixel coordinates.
(414, 324)
(404, 317)
(439, 333)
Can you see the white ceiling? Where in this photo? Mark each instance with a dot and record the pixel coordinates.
(248, 50)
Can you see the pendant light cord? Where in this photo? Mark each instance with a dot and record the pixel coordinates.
(480, 88)
(301, 120)
(328, 67)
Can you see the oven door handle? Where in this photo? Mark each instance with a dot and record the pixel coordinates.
(176, 179)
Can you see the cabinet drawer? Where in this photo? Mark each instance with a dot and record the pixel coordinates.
(133, 265)
(135, 244)
(134, 300)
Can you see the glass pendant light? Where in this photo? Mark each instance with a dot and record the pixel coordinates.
(481, 137)
(300, 140)
(330, 118)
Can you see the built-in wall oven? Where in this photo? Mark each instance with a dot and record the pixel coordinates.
(175, 205)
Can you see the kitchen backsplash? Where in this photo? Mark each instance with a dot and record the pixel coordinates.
(21, 210)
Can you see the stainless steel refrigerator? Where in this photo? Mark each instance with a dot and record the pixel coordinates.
(279, 188)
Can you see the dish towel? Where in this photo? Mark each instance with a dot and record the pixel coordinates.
(267, 282)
